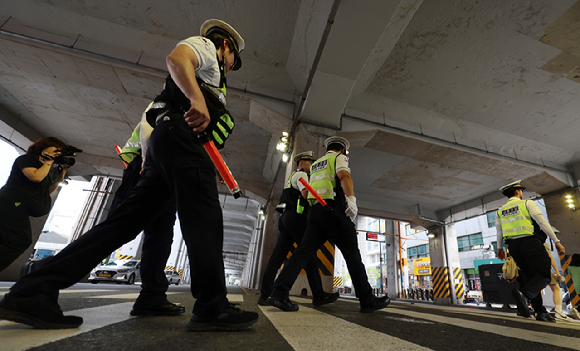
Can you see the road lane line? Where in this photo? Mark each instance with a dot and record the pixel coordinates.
(17, 337)
(129, 296)
(517, 333)
(309, 329)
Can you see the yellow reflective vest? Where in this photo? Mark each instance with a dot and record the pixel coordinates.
(515, 219)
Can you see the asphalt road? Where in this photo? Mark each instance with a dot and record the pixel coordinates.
(339, 326)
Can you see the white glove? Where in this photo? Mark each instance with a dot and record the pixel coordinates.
(351, 209)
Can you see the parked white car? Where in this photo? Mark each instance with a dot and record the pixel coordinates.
(120, 271)
(173, 277)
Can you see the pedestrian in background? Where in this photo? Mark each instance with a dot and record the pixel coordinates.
(515, 225)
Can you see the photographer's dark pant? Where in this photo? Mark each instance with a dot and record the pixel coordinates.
(178, 170)
(534, 263)
(157, 240)
(291, 228)
(15, 232)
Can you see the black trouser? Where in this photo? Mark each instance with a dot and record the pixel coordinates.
(177, 168)
(534, 263)
(291, 228)
(15, 232)
(157, 239)
(327, 224)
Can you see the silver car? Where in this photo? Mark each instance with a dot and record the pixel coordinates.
(173, 277)
(120, 271)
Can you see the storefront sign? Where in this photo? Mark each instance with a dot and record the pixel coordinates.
(375, 237)
(422, 266)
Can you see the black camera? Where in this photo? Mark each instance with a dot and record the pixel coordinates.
(67, 156)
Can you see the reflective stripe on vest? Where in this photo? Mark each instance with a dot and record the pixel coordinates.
(515, 219)
(323, 177)
(132, 146)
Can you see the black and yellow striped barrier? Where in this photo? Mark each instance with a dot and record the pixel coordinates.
(325, 259)
(337, 282)
(169, 268)
(458, 283)
(565, 262)
(127, 257)
(440, 276)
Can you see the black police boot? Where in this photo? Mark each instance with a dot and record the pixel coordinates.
(521, 302)
(164, 308)
(326, 299)
(38, 311)
(545, 317)
(263, 301)
(379, 303)
(233, 319)
(283, 304)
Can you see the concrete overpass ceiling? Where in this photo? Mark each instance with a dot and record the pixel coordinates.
(473, 94)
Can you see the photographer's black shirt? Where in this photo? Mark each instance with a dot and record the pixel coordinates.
(20, 189)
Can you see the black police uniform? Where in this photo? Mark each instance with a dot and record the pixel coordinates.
(291, 228)
(328, 223)
(157, 240)
(535, 266)
(178, 169)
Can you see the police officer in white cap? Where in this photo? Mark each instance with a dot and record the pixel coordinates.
(291, 228)
(177, 170)
(515, 222)
(330, 178)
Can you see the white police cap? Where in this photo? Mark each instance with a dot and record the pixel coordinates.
(306, 155)
(337, 140)
(239, 43)
(515, 185)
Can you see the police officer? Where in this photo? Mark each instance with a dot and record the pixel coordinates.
(515, 225)
(157, 237)
(177, 170)
(330, 178)
(291, 227)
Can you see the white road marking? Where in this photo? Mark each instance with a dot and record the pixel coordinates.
(524, 334)
(16, 337)
(235, 298)
(323, 330)
(130, 296)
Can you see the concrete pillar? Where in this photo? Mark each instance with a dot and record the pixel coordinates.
(12, 272)
(445, 266)
(392, 246)
(96, 206)
(455, 272)
(268, 239)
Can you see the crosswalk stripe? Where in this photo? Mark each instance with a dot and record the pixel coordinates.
(528, 335)
(16, 337)
(323, 330)
(130, 296)
(235, 298)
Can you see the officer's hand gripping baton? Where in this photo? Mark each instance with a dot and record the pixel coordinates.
(313, 192)
(221, 166)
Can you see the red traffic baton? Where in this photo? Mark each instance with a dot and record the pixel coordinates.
(313, 192)
(119, 150)
(221, 166)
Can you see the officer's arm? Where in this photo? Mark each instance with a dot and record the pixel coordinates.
(346, 182)
(182, 63)
(304, 193)
(500, 253)
(544, 225)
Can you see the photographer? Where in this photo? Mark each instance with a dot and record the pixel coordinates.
(27, 193)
